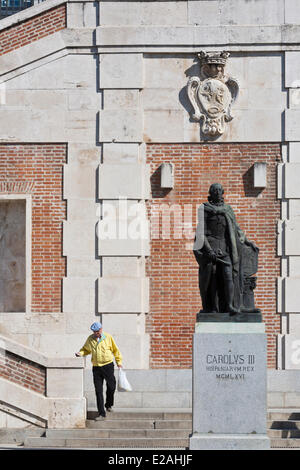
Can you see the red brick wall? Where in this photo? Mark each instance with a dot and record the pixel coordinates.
(173, 271)
(37, 170)
(35, 28)
(26, 373)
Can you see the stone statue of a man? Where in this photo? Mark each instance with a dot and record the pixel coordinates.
(220, 258)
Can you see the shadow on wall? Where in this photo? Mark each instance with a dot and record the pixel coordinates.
(183, 96)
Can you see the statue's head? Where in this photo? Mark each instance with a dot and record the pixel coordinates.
(216, 192)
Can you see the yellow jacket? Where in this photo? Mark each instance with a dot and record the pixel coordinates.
(103, 351)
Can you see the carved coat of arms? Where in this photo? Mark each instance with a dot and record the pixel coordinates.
(212, 94)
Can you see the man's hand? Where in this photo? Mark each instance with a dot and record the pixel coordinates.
(119, 366)
(212, 256)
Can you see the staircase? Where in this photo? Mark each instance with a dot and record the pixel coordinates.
(284, 428)
(140, 429)
(123, 430)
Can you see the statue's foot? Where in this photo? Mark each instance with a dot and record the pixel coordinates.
(251, 310)
(233, 311)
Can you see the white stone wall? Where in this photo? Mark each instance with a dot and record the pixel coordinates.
(289, 226)
(116, 79)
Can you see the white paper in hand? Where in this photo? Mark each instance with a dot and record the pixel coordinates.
(123, 384)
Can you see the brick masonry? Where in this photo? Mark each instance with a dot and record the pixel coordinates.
(37, 170)
(172, 269)
(26, 373)
(30, 30)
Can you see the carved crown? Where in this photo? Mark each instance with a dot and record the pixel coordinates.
(213, 57)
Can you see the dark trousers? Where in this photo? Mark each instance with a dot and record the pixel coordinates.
(99, 375)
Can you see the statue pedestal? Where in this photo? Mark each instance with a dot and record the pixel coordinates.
(229, 387)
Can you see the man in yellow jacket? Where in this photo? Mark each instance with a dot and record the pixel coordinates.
(103, 349)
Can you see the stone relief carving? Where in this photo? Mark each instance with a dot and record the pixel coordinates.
(213, 93)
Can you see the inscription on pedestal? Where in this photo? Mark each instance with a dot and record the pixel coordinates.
(229, 386)
(231, 370)
(230, 366)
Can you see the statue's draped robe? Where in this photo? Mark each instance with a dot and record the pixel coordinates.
(236, 238)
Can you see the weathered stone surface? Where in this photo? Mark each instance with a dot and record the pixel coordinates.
(292, 69)
(204, 13)
(291, 179)
(130, 180)
(120, 153)
(155, 132)
(118, 323)
(292, 124)
(121, 71)
(291, 286)
(294, 152)
(126, 247)
(83, 210)
(122, 125)
(63, 382)
(115, 99)
(292, 351)
(291, 12)
(83, 267)
(79, 239)
(82, 14)
(79, 181)
(294, 266)
(123, 266)
(79, 294)
(143, 13)
(83, 154)
(67, 413)
(123, 294)
(291, 237)
(229, 442)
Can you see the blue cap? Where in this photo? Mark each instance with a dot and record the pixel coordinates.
(96, 326)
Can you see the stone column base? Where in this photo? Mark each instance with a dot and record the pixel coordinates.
(229, 442)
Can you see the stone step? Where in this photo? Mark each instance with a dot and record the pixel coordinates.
(284, 433)
(141, 429)
(139, 424)
(142, 415)
(116, 433)
(285, 443)
(121, 424)
(16, 436)
(138, 443)
(289, 424)
(283, 415)
(173, 424)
